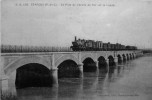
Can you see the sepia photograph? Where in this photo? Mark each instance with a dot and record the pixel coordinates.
(76, 50)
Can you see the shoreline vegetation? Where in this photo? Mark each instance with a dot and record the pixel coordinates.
(8, 96)
(147, 52)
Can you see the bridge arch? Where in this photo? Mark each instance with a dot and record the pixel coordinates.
(102, 62)
(33, 75)
(64, 58)
(127, 57)
(130, 55)
(68, 68)
(119, 58)
(88, 56)
(89, 65)
(133, 55)
(26, 60)
(111, 60)
(124, 57)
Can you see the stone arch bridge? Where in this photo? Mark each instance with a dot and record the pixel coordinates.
(10, 62)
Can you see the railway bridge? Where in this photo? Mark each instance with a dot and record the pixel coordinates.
(54, 62)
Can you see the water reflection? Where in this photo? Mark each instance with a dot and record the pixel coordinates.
(37, 93)
(92, 84)
(96, 85)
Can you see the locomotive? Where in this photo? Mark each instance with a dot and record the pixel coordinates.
(91, 45)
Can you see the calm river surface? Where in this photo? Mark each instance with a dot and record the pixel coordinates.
(129, 81)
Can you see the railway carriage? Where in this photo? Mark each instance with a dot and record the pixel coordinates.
(91, 45)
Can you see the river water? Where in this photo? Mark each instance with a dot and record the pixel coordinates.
(129, 81)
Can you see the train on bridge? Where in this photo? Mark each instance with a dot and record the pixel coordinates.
(91, 45)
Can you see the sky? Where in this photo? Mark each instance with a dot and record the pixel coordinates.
(128, 22)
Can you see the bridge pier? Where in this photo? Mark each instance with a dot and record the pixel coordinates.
(107, 61)
(96, 62)
(4, 83)
(116, 60)
(121, 59)
(11, 83)
(54, 74)
(97, 67)
(8, 84)
(80, 66)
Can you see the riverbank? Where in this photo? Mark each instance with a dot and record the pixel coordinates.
(148, 54)
(8, 96)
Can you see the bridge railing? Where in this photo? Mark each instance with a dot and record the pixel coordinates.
(17, 49)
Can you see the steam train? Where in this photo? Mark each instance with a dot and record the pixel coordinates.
(91, 45)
